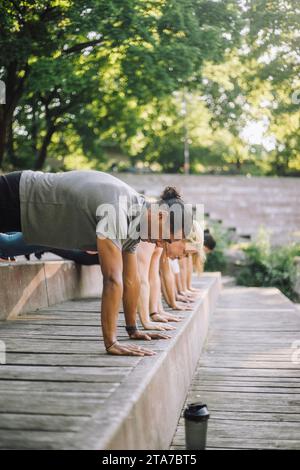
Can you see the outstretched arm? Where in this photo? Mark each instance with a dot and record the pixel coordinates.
(154, 280)
(111, 263)
(145, 254)
(131, 283)
(156, 309)
(168, 284)
(110, 258)
(167, 280)
(130, 298)
(189, 271)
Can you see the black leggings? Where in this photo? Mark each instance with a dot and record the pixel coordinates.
(10, 212)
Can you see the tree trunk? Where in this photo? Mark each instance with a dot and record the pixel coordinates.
(2, 134)
(14, 91)
(34, 127)
(10, 151)
(42, 154)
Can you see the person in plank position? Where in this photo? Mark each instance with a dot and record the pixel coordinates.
(150, 308)
(172, 272)
(152, 314)
(94, 211)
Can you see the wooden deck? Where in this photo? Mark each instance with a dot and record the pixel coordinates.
(59, 389)
(246, 374)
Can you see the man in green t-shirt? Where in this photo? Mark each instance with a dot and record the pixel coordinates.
(94, 211)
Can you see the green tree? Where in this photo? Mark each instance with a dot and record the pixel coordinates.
(54, 56)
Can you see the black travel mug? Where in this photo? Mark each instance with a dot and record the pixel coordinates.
(196, 417)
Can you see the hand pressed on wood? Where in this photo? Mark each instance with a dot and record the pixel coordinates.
(125, 349)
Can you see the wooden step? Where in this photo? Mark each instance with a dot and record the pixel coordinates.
(60, 390)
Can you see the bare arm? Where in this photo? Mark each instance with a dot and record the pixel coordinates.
(167, 279)
(111, 262)
(178, 283)
(131, 283)
(155, 292)
(131, 293)
(168, 284)
(183, 273)
(145, 253)
(154, 279)
(186, 268)
(189, 271)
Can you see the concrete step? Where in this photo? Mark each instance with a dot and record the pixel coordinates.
(241, 202)
(31, 285)
(60, 390)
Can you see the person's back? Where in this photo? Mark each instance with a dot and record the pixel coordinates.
(60, 209)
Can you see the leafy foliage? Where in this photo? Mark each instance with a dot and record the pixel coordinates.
(270, 267)
(216, 260)
(102, 82)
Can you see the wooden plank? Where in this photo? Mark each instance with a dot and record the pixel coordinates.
(259, 343)
(251, 403)
(61, 373)
(253, 417)
(246, 374)
(53, 359)
(275, 382)
(234, 429)
(61, 330)
(253, 336)
(97, 389)
(57, 337)
(53, 403)
(68, 347)
(245, 389)
(46, 440)
(262, 356)
(31, 422)
(253, 364)
(243, 443)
